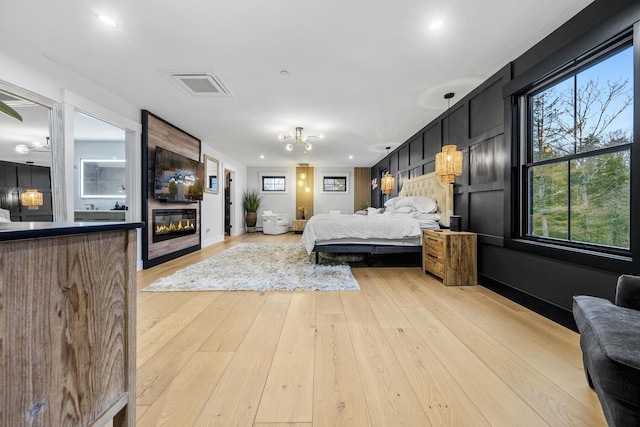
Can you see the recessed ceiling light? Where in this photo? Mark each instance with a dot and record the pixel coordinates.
(107, 21)
(436, 25)
(262, 156)
(350, 157)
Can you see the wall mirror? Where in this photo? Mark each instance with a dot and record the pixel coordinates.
(212, 166)
(102, 178)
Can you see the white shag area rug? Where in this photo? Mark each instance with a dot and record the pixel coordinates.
(258, 267)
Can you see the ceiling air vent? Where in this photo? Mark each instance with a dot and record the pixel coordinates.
(199, 84)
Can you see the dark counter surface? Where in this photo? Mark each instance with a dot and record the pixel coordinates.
(32, 230)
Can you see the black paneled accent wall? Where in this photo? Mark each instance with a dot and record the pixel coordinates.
(15, 179)
(480, 127)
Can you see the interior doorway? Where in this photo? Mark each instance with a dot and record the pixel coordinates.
(229, 192)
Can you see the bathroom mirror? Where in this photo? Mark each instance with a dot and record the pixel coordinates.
(102, 178)
(212, 166)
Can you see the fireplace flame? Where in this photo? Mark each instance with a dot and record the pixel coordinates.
(181, 225)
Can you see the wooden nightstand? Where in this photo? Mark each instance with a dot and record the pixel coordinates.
(450, 255)
(298, 225)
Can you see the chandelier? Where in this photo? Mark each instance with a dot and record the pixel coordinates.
(299, 139)
(35, 146)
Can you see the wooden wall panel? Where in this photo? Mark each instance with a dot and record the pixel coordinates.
(432, 141)
(483, 116)
(361, 188)
(158, 133)
(403, 157)
(304, 199)
(416, 150)
(486, 162)
(484, 217)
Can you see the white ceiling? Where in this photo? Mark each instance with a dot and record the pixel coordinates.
(367, 74)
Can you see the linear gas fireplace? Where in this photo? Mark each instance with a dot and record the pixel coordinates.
(172, 223)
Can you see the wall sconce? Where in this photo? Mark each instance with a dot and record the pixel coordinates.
(449, 161)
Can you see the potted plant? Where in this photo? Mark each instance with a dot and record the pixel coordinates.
(251, 200)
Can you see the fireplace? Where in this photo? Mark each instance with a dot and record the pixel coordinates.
(173, 223)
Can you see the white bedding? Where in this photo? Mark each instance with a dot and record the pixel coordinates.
(329, 227)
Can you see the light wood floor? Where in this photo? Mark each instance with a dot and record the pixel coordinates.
(404, 350)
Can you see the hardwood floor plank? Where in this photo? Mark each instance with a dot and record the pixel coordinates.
(388, 393)
(231, 332)
(288, 392)
(140, 410)
(479, 382)
(442, 399)
(338, 391)
(356, 307)
(551, 402)
(157, 373)
(383, 307)
(329, 303)
(468, 351)
(151, 341)
(235, 400)
(531, 325)
(283, 425)
(537, 350)
(400, 295)
(152, 308)
(182, 401)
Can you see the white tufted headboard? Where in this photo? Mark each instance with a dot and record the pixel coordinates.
(429, 185)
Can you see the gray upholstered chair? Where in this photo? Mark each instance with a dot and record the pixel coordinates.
(610, 343)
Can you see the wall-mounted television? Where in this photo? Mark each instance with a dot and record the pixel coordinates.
(177, 177)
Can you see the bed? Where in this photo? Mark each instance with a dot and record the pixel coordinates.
(343, 233)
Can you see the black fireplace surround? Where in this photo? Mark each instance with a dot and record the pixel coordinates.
(173, 223)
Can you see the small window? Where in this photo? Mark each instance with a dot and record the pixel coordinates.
(274, 183)
(334, 184)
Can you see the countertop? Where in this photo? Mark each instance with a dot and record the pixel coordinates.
(32, 230)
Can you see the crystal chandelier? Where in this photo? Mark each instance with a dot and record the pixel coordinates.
(299, 139)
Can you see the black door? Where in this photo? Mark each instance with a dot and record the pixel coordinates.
(227, 203)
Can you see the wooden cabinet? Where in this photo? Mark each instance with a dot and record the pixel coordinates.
(99, 216)
(298, 225)
(451, 256)
(67, 324)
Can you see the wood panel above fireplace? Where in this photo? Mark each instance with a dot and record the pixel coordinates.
(159, 248)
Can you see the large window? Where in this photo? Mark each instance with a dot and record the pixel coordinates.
(577, 153)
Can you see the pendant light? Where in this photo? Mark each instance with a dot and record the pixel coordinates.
(388, 182)
(449, 161)
(32, 198)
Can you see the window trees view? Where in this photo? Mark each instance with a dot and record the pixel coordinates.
(578, 163)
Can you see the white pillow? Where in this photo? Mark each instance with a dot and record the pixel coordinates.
(267, 213)
(391, 203)
(374, 211)
(422, 204)
(3, 219)
(334, 212)
(404, 209)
